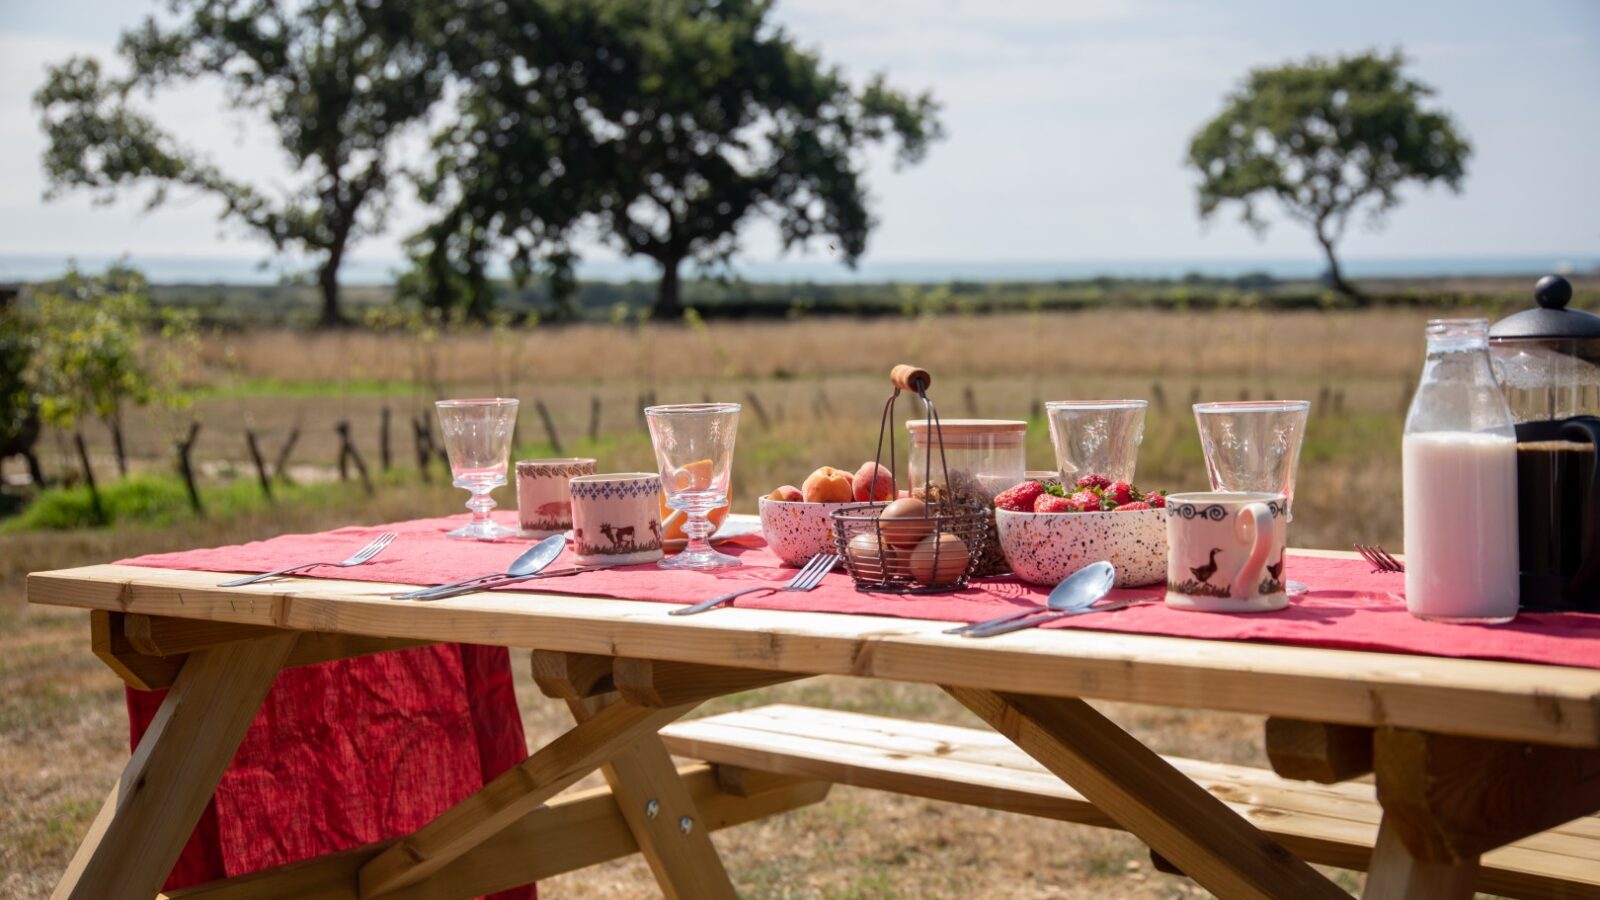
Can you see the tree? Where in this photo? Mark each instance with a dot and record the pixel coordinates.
(1326, 138)
(671, 123)
(338, 81)
(89, 357)
(19, 413)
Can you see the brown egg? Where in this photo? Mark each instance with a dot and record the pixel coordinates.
(870, 560)
(904, 522)
(938, 560)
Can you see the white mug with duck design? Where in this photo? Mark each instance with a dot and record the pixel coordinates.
(616, 519)
(1225, 551)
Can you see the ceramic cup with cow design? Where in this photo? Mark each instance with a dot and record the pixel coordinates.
(616, 519)
(1225, 551)
(544, 503)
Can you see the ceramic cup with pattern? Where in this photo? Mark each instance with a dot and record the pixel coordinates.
(544, 503)
(616, 518)
(1225, 551)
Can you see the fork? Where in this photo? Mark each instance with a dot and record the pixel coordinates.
(356, 559)
(1380, 558)
(809, 576)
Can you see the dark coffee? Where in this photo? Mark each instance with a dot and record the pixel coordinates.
(1554, 480)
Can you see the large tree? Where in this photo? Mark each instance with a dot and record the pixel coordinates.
(338, 81)
(1326, 138)
(673, 122)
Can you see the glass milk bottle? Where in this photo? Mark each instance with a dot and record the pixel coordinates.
(1459, 468)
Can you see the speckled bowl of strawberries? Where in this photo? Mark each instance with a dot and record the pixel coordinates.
(1049, 532)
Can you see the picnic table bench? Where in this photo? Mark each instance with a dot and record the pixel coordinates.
(1485, 773)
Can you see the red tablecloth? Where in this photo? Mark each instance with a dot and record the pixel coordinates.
(1348, 606)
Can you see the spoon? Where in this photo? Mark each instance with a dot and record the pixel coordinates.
(1077, 594)
(1063, 596)
(532, 560)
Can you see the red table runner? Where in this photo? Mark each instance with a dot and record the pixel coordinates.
(1348, 606)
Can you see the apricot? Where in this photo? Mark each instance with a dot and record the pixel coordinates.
(873, 482)
(695, 476)
(786, 494)
(828, 485)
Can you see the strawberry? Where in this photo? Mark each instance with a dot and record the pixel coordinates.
(1019, 498)
(1049, 503)
(1121, 493)
(1085, 501)
(1156, 499)
(1094, 481)
(1137, 504)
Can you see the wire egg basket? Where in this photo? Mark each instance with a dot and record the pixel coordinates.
(911, 546)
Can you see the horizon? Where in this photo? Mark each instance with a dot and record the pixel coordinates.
(259, 271)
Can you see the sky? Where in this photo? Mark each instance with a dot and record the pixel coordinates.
(1067, 122)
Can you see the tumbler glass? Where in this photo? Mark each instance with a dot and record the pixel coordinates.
(1096, 437)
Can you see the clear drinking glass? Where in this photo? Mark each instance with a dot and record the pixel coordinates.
(1254, 446)
(477, 438)
(694, 449)
(1096, 437)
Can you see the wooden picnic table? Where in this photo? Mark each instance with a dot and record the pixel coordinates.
(1469, 755)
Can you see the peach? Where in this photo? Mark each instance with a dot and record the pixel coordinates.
(786, 494)
(828, 485)
(873, 482)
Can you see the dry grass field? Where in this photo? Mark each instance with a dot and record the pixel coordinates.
(820, 384)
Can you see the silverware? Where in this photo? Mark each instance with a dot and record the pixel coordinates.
(809, 576)
(1380, 558)
(532, 560)
(517, 579)
(1069, 594)
(1087, 586)
(356, 559)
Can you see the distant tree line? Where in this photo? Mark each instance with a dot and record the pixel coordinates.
(664, 126)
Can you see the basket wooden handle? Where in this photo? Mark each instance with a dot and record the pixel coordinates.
(910, 378)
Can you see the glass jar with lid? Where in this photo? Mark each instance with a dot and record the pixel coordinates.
(984, 456)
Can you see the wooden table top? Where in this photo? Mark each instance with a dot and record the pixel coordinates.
(1509, 701)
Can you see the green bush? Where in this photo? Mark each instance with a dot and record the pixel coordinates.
(161, 499)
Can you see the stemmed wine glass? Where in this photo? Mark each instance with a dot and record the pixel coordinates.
(694, 448)
(477, 438)
(1254, 446)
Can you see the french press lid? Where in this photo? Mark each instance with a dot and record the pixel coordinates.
(1551, 319)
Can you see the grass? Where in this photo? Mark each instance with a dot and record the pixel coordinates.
(822, 383)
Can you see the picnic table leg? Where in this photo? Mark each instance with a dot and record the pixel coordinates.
(1395, 874)
(654, 801)
(1447, 800)
(142, 827)
(1143, 792)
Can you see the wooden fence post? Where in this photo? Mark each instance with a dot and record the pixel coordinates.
(280, 467)
(970, 397)
(88, 480)
(594, 418)
(348, 452)
(385, 458)
(756, 407)
(423, 437)
(186, 468)
(261, 464)
(549, 425)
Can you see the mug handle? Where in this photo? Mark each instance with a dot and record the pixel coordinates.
(1248, 530)
(1586, 429)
